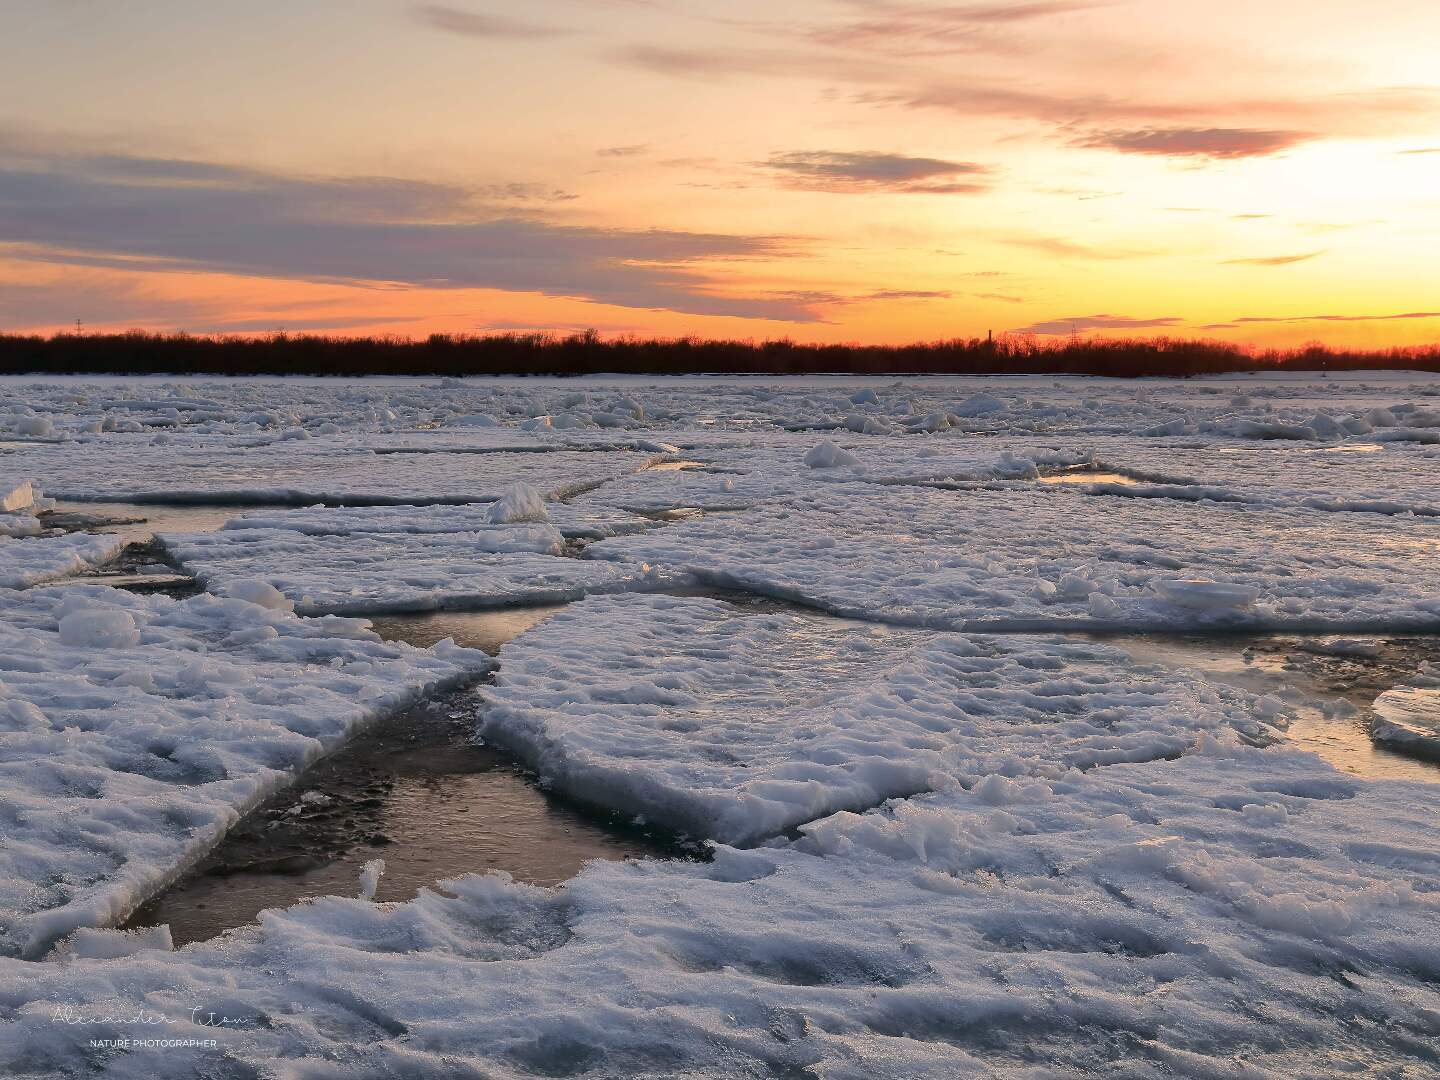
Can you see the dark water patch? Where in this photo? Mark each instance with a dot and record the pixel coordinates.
(1085, 474)
(677, 513)
(144, 568)
(483, 630)
(419, 791)
(138, 522)
(675, 466)
(1328, 685)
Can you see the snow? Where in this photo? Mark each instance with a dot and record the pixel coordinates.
(943, 840)
(1132, 918)
(735, 727)
(137, 729)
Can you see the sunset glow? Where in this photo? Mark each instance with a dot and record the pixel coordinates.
(828, 170)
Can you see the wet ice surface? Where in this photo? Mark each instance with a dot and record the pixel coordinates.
(418, 790)
(962, 853)
(138, 523)
(1083, 475)
(1329, 697)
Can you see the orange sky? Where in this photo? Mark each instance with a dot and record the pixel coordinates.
(874, 170)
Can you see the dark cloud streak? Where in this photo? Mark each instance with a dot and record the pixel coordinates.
(188, 216)
(1193, 142)
(852, 172)
(453, 20)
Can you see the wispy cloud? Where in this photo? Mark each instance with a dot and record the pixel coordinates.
(1335, 318)
(868, 171)
(1074, 324)
(1195, 142)
(152, 214)
(455, 20)
(1274, 260)
(891, 27)
(1061, 248)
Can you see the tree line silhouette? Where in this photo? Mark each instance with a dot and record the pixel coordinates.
(589, 353)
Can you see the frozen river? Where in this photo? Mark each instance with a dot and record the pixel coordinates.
(923, 727)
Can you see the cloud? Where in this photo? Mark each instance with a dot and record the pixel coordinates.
(100, 301)
(1078, 323)
(917, 28)
(1067, 249)
(821, 298)
(516, 326)
(907, 294)
(143, 214)
(471, 24)
(1388, 110)
(1274, 260)
(623, 151)
(1212, 142)
(1008, 13)
(868, 171)
(1333, 318)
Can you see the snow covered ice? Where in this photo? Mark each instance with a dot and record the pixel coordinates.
(736, 727)
(135, 730)
(941, 832)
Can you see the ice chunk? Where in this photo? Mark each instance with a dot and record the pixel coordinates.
(99, 628)
(370, 878)
(521, 503)
(97, 944)
(15, 495)
(1206, 595)
(259, 592)
(1408, 718)
(829, 456)
(981, 404)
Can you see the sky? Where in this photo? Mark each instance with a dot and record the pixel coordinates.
(1261, 171)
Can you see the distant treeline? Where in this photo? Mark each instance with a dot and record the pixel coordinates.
(591, 354)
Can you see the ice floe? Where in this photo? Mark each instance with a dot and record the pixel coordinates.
(1019, 560)
(135, 730)
(736, 727)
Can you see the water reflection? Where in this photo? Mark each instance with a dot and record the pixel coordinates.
(418, 791)
(1329, 693)
(137, 523)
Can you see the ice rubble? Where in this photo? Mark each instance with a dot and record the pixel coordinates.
(1009, 559)
(738, 727)
(135, 730)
